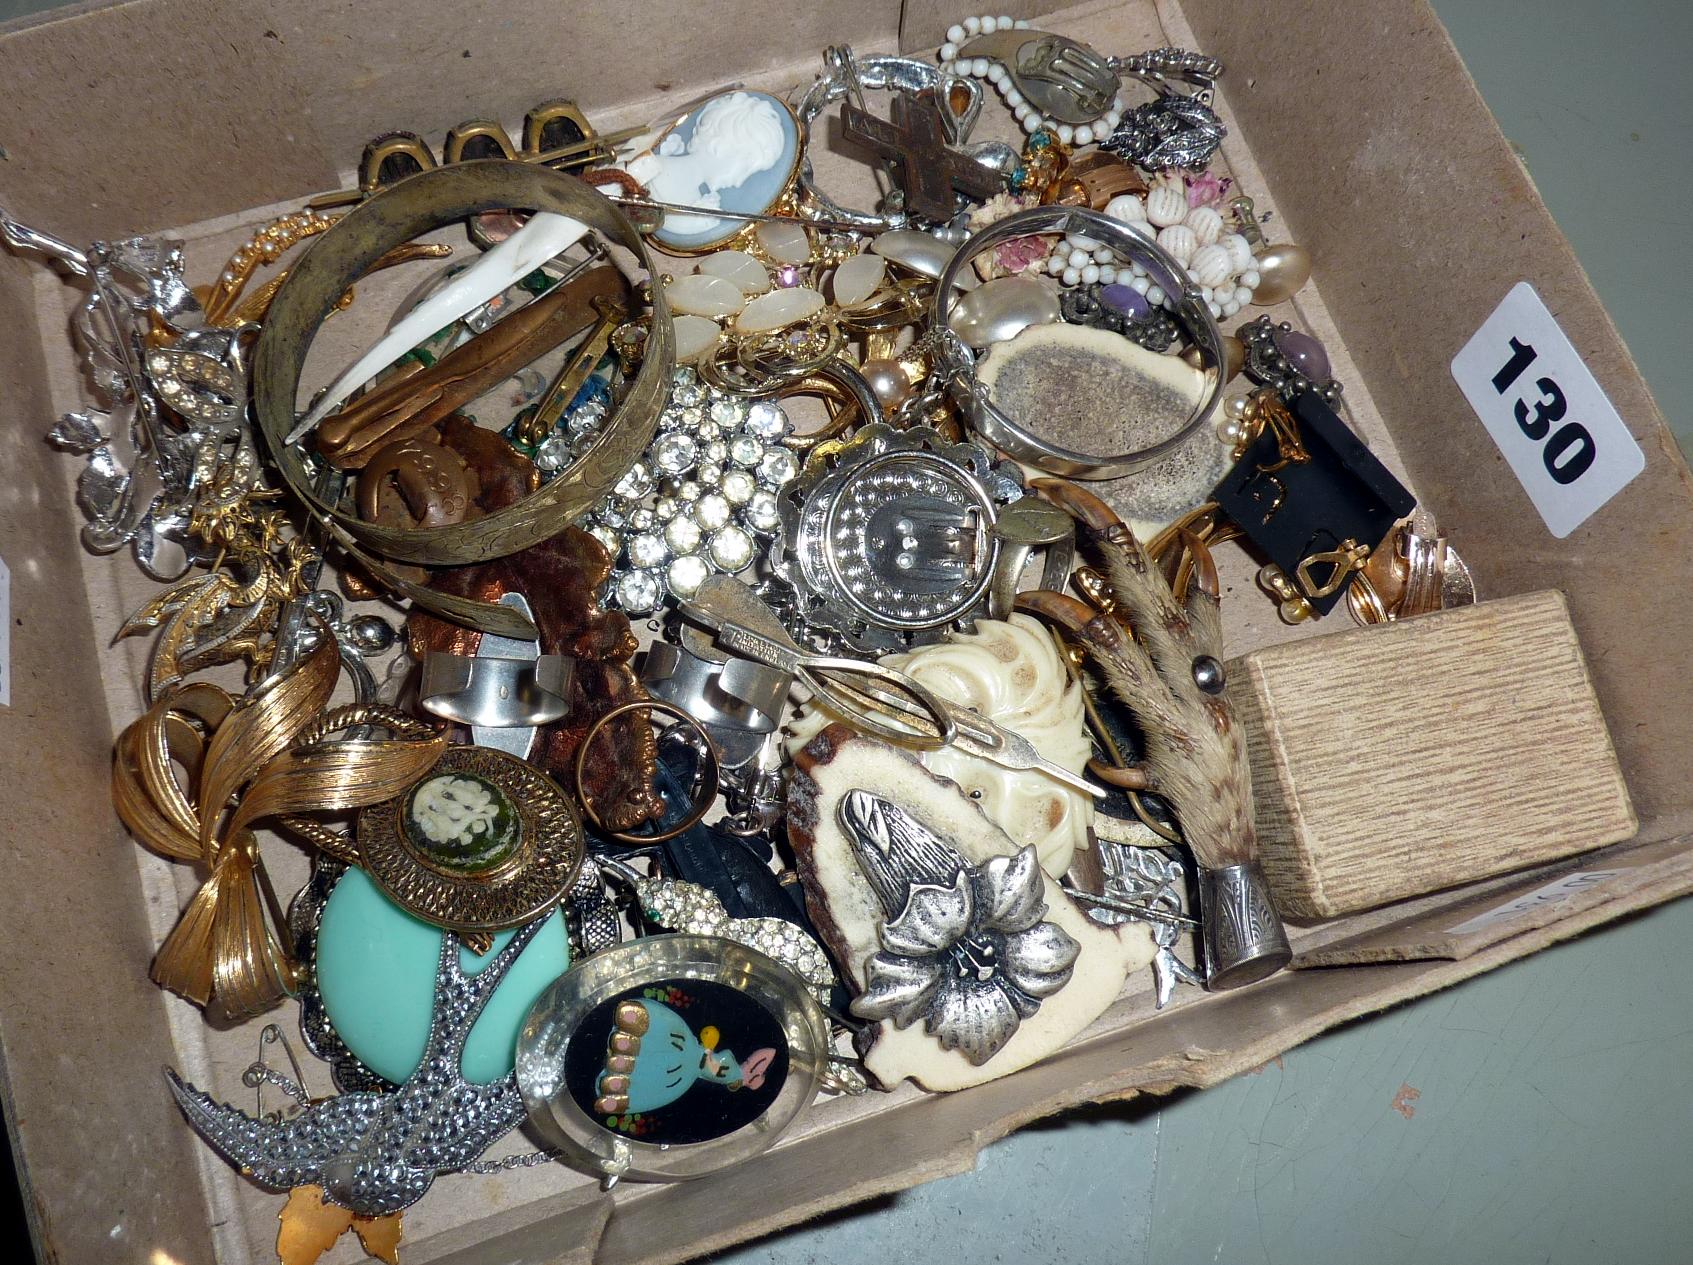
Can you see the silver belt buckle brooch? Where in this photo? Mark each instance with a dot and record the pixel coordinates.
(894, 543)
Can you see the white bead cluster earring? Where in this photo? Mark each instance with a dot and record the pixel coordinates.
(1220, 262)
(995, 73)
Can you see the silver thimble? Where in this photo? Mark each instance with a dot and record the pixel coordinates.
(1244, 937)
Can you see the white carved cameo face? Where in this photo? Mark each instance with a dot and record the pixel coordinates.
(1010, 672)
(736, 142)
(736, 137)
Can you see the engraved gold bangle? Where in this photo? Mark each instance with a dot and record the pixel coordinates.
(396, 215)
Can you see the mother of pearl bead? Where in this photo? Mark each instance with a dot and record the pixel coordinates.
(1282, 270)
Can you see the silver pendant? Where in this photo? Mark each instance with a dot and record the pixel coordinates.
(1146, 876)
(1268, 364)
(966, 948)
(892, 542)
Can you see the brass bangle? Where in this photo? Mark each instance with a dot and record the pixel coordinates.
(337, 258)
(708, 780)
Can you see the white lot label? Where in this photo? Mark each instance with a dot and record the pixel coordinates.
(1560, 435)
(1554, 893)
(5, 635)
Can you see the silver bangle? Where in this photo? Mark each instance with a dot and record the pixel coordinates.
(957, 364)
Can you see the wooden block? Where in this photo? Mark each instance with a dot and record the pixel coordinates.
(1393, 761)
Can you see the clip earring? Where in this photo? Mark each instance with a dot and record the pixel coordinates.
(1343, 560)
(392, 157)
(479, 138)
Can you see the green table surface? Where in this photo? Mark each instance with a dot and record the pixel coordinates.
(1538, 1114)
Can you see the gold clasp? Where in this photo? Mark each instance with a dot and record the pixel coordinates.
(1348, 557)
(1294, 595)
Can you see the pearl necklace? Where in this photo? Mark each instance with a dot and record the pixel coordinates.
(995, 73)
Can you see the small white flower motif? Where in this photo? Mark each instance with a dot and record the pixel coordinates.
(454, 809)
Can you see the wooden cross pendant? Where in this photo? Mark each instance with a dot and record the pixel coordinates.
(930, 170)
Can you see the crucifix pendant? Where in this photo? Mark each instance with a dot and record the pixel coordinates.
(930, 170)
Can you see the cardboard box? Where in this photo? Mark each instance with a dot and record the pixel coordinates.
(1392, 762)
(1359, 129)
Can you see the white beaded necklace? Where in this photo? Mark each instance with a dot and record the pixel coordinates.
(995, 73)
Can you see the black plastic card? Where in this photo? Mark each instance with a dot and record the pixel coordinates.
(1291, 510)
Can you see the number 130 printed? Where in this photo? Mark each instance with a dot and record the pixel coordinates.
(1560, 435)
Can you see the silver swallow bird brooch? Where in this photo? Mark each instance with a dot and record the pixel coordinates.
(378, 1153)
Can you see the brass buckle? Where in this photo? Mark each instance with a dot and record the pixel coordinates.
(555, 133)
